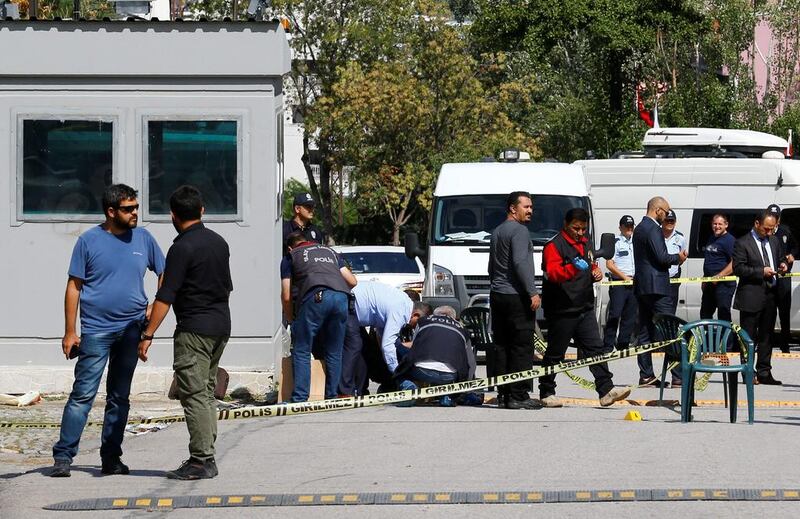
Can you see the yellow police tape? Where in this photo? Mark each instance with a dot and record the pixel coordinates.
(700, 385)
(337, 404)
(707, 279)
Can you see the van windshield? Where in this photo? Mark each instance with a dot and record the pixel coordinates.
(471, 219)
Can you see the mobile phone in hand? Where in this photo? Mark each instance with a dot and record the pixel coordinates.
(73, 352)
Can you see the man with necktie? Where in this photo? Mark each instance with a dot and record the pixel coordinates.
(757, 263)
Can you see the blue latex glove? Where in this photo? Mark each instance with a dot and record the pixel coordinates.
(580, 263)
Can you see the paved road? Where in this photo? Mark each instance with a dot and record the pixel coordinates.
(426, 449)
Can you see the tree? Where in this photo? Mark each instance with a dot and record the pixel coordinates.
(587, 60)
(326, 35)
(397, 122)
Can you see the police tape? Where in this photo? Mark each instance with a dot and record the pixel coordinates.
(699, 279)
(337, 404)
(540, 346)
(707, 279)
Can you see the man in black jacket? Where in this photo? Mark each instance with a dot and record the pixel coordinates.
(568, 302)
(757, 263)
(651, 284)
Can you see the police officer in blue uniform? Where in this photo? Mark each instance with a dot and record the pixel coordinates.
(622, 302)
(675, 242)
(323, 289)
(303, 209)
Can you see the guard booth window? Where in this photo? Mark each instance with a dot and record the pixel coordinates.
(201, 153)
(740, 221)
(66, 164)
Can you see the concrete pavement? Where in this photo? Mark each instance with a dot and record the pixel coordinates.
(432, 449)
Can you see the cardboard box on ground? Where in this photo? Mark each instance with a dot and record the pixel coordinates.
(286, 380)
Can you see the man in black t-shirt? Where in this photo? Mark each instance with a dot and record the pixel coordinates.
(197, 284)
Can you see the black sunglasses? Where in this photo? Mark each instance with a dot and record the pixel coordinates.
(128, 209)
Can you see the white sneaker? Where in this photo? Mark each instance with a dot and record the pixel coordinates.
(552, 401)
(615, 395)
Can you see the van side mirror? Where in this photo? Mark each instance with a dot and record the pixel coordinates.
(413, 248)
(606, 250)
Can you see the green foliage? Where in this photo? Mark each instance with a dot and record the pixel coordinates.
(90, 9)
(218, 9)
(397, 122)
(586, 60)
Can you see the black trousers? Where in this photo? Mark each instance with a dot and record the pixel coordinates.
(717, 297)
(513, 324)
(583, 329)
(354, 379)
(649, 306)
(759, 326)
(621, 316)
(784, 303)
(674, 289)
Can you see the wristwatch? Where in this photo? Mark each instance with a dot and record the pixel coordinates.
(145, 337)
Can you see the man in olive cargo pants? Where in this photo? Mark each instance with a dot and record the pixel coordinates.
(197, 282)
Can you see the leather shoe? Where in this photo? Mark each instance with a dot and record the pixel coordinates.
(651, 382)
(114, 466)
(768, 380)
(529, 403)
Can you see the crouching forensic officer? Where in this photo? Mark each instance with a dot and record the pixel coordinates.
(197, 283)
(323, 290)
(568, 302)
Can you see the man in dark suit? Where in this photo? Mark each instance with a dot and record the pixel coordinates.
(757, 261)
(651, 284)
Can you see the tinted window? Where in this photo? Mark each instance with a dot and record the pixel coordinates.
(740, 221)
(380, 262)
(201, 153)
(472, 218)
(66, 165)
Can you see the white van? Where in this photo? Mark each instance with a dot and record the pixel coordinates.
(700, 171)
(469, 202)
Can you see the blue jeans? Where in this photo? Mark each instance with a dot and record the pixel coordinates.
(430, 376)
(120, 350)
(327, 318)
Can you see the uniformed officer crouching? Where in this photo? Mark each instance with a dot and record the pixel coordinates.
(323, 284)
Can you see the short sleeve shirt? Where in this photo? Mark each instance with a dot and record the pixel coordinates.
(112, 269)
(623, 255)
(718, 252)
(675, 244)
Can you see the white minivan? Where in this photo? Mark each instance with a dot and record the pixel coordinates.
(469, 201)
(700, 171)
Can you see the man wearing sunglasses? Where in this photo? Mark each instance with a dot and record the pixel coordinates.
(106, 274)
(652, 284)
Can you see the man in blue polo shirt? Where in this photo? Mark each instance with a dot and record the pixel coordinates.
(718, 252)
(106, 274)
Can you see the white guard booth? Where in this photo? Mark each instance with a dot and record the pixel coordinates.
(153, 105)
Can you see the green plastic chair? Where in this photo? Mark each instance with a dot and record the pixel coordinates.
(711, 336)
(669, 327)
